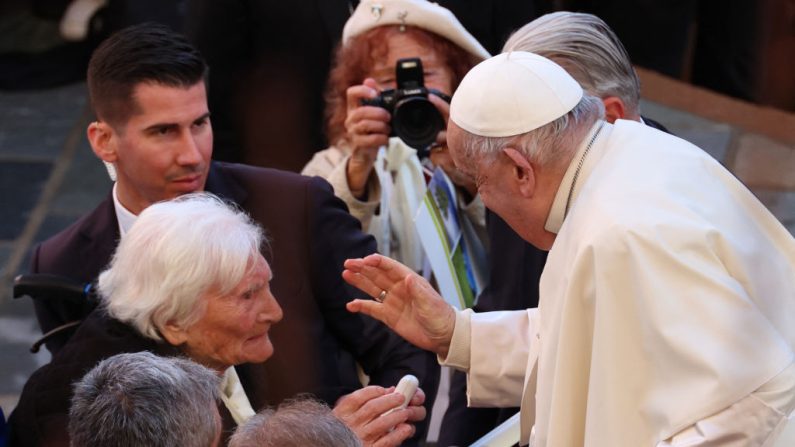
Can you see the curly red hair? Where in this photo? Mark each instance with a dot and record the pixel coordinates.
(354, 61)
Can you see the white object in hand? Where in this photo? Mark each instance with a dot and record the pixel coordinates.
(407, 387)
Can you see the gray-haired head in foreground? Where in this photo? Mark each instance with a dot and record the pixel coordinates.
(175, 253)
(297, 423)
(141, 399)
(588, 49)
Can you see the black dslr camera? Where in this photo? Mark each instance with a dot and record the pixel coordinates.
(415, 119)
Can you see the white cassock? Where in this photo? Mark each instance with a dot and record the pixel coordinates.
(667, 313)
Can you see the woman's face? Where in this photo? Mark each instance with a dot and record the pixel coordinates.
(234, 327)
(437, 75)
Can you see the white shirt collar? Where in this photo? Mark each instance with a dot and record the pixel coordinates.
(124, 216)
(234, 397)
(558, 210)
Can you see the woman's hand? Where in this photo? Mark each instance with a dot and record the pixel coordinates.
(440, 155)
(367, 129)
(362, 411)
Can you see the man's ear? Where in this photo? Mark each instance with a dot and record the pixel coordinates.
(522, 171)
(615, 109)
(174, 334)
(101, 138)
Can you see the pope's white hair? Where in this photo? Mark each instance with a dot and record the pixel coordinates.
(550, 145)
(176, 252)
(587, 48)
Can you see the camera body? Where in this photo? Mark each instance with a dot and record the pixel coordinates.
(415, 119)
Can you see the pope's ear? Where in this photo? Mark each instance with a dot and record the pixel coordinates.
(174, 334)
(101, 138)
(615, 109)
(522, 171)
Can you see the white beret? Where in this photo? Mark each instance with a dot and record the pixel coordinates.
(513, 93)
(419, 13)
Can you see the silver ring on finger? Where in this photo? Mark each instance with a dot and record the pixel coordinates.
(381, 296)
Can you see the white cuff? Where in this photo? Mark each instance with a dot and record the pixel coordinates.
(458, 355)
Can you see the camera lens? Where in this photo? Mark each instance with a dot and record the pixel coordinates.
(417, 122)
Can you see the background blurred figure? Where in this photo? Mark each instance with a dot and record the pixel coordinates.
(720, 37)
(76, 20)
(48, 43)
(297, 423)
(3, 429)
(141, 399)
(741, 48)
(270, 62)
(590, 52)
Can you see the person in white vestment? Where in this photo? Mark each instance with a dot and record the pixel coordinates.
(586, 47)
(667, 304)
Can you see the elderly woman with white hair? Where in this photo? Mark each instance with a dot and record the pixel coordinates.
(189, 280)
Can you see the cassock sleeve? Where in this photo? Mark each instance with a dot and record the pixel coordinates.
(496, 349)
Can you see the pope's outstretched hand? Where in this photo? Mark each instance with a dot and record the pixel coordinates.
(404, 301)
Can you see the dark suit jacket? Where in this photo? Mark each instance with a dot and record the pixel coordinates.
(318, 342)
(42, 415)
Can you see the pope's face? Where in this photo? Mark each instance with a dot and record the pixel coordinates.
(400, 46)
(234, 327)
(501, 191)
(163, 150)
(486, 175)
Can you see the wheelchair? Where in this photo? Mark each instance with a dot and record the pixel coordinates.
(42, 287)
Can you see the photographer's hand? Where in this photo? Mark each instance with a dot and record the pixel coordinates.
(440, 155)
(367, 129)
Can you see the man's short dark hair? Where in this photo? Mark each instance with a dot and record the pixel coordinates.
(142, 53)
(142, 399)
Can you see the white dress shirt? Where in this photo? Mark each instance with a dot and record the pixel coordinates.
(234, 397)
(124, 216)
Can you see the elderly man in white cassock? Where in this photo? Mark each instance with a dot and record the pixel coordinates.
(667, 312)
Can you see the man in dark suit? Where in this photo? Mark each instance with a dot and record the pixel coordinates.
(147, 88)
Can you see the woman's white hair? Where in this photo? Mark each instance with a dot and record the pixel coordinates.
(550, 145)
(587, 48)
(176, 252)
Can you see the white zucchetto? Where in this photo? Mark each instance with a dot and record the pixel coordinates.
(513, 93)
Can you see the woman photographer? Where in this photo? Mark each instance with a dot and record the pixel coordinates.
(381, 178)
